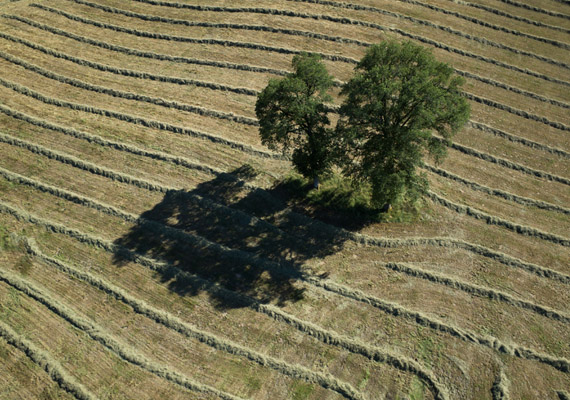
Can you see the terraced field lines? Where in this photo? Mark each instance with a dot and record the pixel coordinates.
(328, 337)
(511, 16)
(127, 72)
(45, 361)
(390, 308)
(172, 322)
(99, 335)
(141, 121)
(469, 96)
(447, 29)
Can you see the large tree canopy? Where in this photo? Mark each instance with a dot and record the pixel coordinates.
(293, 116)
(399, 96)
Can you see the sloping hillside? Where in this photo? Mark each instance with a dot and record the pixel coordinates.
(146, 251)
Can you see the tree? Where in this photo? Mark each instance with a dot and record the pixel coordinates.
(293, 116)
(398, 96)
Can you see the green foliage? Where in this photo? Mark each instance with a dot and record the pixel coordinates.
(293, 116)
(398, 96)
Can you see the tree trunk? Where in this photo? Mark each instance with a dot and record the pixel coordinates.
(316, 183)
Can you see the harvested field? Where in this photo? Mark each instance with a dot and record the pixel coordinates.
(147, 249)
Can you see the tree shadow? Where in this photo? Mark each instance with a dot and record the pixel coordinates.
(246, 240)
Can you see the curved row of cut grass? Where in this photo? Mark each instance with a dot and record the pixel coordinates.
(278, 268)
(253, 46)
(123, 351)
(359, 238)
(157, 101)
(482, 22)
(252, 92)
(142, 121)
(447, 29)
(243, 147)
(175, 324)
(472, 289)
(309, 16)
(325, 336)
(46, 362)
(128, 72)
(536, 9)
(144, 54)
(186, 39)
(493, 220)
(511, 16)
(387, 307)
(499, 193)
(500, 389)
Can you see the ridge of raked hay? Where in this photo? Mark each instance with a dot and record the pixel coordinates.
(145, 251)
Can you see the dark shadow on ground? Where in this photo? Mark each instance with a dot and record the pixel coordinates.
(234, 247)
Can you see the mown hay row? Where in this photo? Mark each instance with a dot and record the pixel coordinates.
(433, 323)
(121, 146)
(563, 395)
(447, 29)
(496, 192)
(500, 388)
(328, 337)
(154, 18)
(84, 165)
(517, 139)
(492, 220)
(302, 219)
(145, 54)
(480, 21)
(348, 21)
(141, 121)
(45, 361)
(123, 351)
(476, 290)
(174, 323)
(249, 121)
(536, 9)
(515, 111)
(274, 267)
(509, 164)
(128, 72)
(250, 91)
(388, 307)
(512, 16)
(130, 95)
(185, 39)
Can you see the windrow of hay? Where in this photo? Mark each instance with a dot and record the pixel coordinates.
(470, 96)
(511, 16)
(141, 121)
(497, 192)
(535, 9)
(500, 389)
(128, 72)
(482, 22)
(45, 361)
(447, 29)
(252, 92)
(154, 18)
(129, 95)
(359, 238)
(388, 307)
(476, 290)
(96, 333)
(121, 146)
(145, 54)
(174, 323)
(184, 39)
(492, 220)
(349, 21)
(328, 337)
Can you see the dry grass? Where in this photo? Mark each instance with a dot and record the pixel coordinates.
(393, 318)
